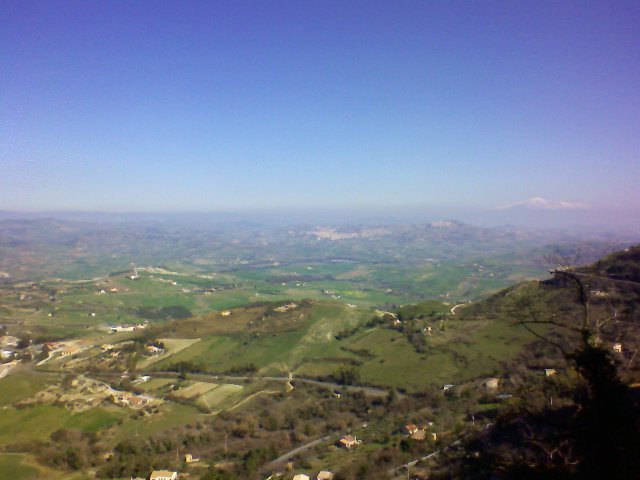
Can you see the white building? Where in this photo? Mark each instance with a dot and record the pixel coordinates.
(163, 475)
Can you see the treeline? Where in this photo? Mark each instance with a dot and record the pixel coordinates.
(361, 352)
(176, 312)
(623, 265)
(189, 366)
(66, 450)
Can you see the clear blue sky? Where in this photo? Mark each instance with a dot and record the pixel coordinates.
(151, 106)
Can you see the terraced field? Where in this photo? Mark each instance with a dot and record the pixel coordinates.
(217, 395)
(194, 390)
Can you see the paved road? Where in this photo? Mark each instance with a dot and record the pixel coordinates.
(204, 377)
(295, 451)
(398, 470)
(212, 378)
(453, 309)
(252, 396)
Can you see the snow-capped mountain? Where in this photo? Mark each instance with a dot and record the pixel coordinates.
(540, 203)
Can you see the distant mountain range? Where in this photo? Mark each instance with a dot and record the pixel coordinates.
(56, 247)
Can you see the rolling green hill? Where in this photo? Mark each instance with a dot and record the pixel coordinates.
(261, 359)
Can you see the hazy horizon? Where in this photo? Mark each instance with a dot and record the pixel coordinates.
(615, 220)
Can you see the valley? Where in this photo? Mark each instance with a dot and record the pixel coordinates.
(355, 357)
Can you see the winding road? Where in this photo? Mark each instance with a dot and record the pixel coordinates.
(204, 377)
(453, 309)
(295, 451)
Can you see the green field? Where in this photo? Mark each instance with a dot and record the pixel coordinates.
(216, 396)
(14, 467)
(17, 387)
(171, 415)
(95, 419)
(194, 390)
(40, 421)
(274, 352)
(358, 283)
(464, 350)
(155, 384)
(24, 467)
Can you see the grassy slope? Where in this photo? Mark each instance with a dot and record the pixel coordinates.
(464, 350)
(24, 467)
(274, 353)
(172, 415)
(13, 466)
(218, 395)
(17, 387)
(40, 421)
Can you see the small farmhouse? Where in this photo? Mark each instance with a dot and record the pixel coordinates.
(348, 442)
(411, 429)
(324, 475)
(188, 458)
(69, 351)
(153, 349)
(163, 475)
(491, 383)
